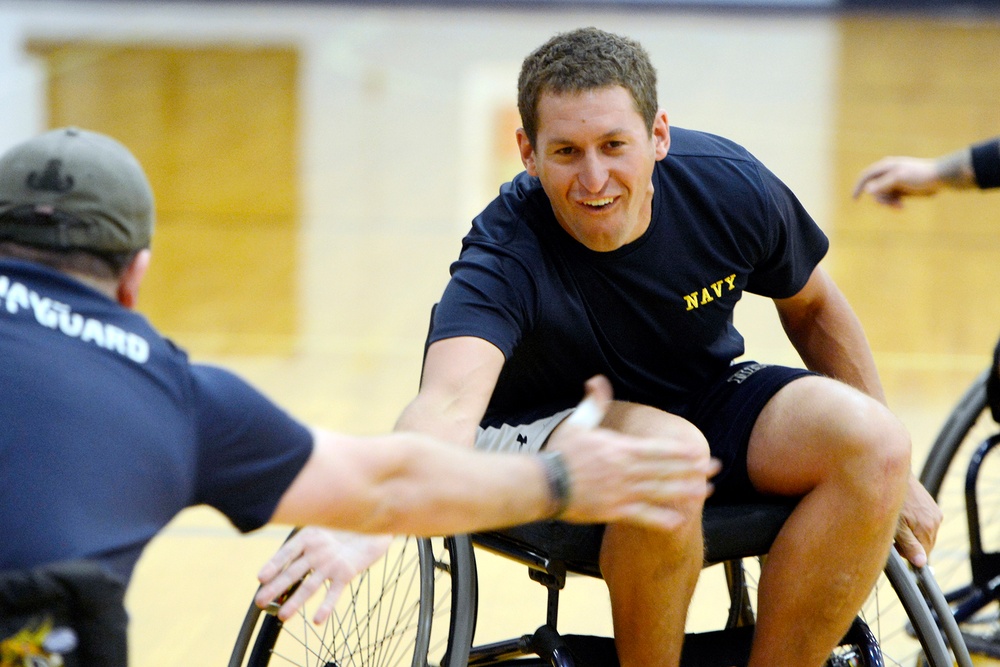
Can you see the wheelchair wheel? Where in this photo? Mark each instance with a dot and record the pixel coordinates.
(883, 633)
(858, 648)
(966, 564)
(415, 607)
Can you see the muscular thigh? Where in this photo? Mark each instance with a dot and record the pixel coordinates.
(643, 420)
(807, 429)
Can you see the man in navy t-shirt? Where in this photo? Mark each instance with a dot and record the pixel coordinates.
(107, 430)
(622, 250)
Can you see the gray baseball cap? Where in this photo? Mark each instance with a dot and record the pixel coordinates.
(74, 189)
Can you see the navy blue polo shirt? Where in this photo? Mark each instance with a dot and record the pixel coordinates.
(107, 430)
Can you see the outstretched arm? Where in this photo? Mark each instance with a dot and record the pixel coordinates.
(411, 483)
(892, 179)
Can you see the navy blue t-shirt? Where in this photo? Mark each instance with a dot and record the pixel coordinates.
(107, 430)
(655, 316)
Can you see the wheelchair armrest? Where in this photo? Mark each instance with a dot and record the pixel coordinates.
(731, 531)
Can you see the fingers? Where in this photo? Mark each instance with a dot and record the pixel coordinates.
(869, 173)
(919, 521)
(591, 410)
(306, 583)
(921, 516)
(599, 388)
(325, 608)
(273, 588)
(300, 596)
(314, 558)
(924, 532)
(279, 573)
(289, 551)
(883, 183)
(909, 546)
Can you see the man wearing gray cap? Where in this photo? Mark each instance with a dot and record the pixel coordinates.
(114, 431)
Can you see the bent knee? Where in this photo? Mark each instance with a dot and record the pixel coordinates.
(880, 437)
(875, 456)
(829, 433)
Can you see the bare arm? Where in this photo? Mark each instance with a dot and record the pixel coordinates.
(407, 482)
(411, 483)
(459, 376)
(891, 179)
(828, 335)
(829, 338)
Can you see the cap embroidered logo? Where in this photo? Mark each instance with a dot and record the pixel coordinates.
(50, 179)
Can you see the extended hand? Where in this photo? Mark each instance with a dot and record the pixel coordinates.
(891, 179)
(316, 556)
(648, 480)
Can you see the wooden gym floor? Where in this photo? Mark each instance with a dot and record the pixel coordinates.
(316, 166)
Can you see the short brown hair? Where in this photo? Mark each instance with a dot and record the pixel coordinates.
(582, 60)
(100, 266)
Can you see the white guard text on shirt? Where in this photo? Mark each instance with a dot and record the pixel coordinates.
(15, 297)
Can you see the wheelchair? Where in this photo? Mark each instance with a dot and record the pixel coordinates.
(418, 606)
(961, 473)
(68, 613)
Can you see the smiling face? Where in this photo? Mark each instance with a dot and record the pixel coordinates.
(595, 158)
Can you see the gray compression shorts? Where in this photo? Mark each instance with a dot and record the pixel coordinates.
(527, 438)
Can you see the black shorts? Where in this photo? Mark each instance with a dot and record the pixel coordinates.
(726, 411)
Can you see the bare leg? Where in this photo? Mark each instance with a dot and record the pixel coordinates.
(849, 457)
(651, 575)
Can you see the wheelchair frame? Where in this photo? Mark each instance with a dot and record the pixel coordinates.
(954, 474)
(436, 627)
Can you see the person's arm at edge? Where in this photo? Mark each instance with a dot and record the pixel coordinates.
(411, 483)
(891, 179)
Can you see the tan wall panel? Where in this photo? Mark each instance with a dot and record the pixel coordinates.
(216, 129)
(921, 279)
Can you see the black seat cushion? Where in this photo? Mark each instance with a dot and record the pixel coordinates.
(731, 531)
